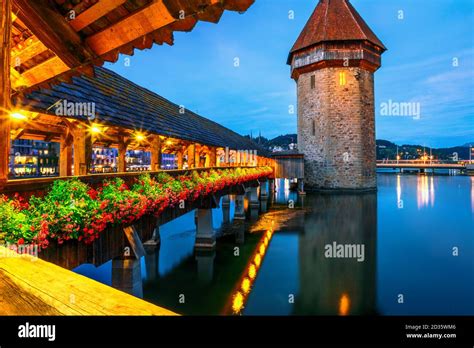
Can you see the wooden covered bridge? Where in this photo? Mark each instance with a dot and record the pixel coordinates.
(51, 57)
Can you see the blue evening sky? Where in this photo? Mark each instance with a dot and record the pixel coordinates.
(198, 70)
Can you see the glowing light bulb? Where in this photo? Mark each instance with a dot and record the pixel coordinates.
(18, 116)
(95, 129)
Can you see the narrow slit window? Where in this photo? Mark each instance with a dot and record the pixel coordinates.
(313, 127)
(313, 82)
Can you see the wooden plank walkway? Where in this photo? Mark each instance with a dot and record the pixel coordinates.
(30, 286)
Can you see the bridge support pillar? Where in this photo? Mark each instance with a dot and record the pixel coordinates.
(254, 203)
(264, 190)
(152, 244)
(205, 265)
(271, 185)
(205, 234)
(226, 209)
(127, 275)
(239, 207)
(240, 234)
(264, 196)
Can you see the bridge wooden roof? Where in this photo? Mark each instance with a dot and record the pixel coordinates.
(119, 102)
(334, 20)
(53, 40)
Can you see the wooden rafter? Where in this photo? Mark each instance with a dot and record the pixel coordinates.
(42, 72)
(93, 13)
(54, 31)
(147, 20)
(34, 48)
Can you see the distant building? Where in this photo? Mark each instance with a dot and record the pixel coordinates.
(33, 159)
(104, 160)
(277, 149)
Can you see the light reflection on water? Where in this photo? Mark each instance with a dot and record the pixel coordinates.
(408, 241)
(425, 191)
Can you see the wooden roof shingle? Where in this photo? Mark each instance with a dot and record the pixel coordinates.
(120, 102)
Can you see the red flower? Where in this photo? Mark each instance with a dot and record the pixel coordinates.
(92, 193)
(21, 241)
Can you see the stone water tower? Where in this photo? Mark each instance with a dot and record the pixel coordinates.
(333, 63)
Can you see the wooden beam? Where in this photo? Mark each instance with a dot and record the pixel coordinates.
(44, 71)
(145, 21)
(5, 88)
(213, 157)
(179, 155)
(82, 151)
(123, 143)
(191, 155)
(156, 149)
(54, 31)
(65, 154)
(93, 13)
(45, 128)
(35, 48)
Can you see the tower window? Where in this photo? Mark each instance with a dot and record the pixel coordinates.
(313, 81)
(313, 128)
(342, 78)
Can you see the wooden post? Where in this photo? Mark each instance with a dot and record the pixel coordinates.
(122, 153)
(191, 155)
(213, 157)
(179, 155)
(82, 151)
(65, 155)
(5, 89)
(197, 156)
(156, 153)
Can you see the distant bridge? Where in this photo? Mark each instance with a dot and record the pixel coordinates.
(420, 164)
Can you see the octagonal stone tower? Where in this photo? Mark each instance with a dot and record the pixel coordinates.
(333, 63)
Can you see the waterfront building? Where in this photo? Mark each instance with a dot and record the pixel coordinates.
(33, 158)
(333, 63)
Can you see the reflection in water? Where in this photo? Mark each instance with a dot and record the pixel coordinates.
(406, 251)
(283, 193)
(399, 192)
(126, 276)
(472, 193)
(425, 191)
(344, 305)
(205, 265)
(331, 286)
(244, 285)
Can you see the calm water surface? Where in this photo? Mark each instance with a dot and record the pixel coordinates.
(417, 234)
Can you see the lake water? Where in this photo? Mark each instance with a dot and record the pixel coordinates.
(406, 250)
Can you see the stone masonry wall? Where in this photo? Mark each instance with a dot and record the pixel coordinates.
(341, 152)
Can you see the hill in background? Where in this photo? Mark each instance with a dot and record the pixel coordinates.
(385, 149)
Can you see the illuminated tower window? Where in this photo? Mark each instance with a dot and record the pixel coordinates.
(342, 78)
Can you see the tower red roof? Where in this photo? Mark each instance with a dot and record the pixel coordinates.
(334, 20)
